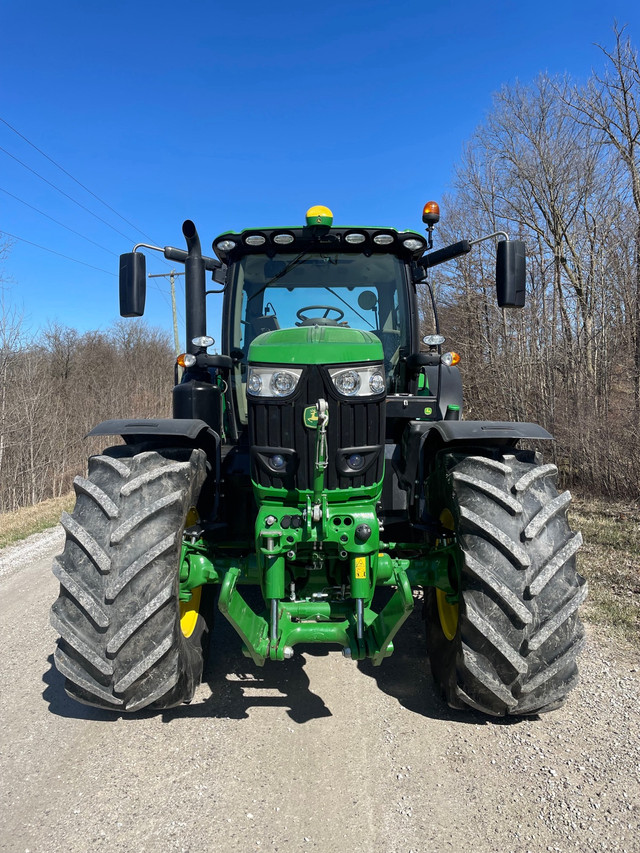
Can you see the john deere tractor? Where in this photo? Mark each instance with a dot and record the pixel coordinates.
(322, 457)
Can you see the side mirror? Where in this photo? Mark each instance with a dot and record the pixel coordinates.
(133, 284)
(510, 274)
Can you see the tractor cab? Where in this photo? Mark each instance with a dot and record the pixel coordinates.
(318, 275)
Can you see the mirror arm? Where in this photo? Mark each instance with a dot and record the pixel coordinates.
(455, 250)
(489, 236)
(146, 246)
(173, 254)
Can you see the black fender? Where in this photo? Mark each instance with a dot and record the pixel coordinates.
(482, 432)
(181, 431)
(421, 440)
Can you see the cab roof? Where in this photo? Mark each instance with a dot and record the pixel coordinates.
(407, 245)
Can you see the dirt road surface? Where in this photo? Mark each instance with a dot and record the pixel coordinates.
(317, 754)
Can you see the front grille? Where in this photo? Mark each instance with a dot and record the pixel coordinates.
(278, 425)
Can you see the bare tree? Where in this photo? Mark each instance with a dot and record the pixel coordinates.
(53, 394)
(610, 106)
(538, 172)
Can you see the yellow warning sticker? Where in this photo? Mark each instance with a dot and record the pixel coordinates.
(361, 567)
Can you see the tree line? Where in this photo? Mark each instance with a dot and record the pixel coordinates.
(557, 165)
(53, 392)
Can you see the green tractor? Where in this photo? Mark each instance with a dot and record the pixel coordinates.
(323, 458)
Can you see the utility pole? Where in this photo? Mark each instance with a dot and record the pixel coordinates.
(172, 278)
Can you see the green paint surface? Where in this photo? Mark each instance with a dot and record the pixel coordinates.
(300, 346)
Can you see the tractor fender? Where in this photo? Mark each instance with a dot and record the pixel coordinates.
(189, 431)
(422, 439)
(191, 428)
(479, 432)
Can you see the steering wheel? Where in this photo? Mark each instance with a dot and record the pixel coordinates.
(325, 320)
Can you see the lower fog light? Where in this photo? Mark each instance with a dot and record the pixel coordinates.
(356, 461)
(277, 462)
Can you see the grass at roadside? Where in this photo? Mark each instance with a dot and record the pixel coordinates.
(33, 519)
(610, 560)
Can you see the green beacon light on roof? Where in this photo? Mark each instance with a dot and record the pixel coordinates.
(319, 215)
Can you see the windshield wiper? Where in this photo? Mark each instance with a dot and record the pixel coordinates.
(293, 263)
(349, 305)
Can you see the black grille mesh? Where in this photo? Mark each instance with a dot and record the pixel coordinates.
(356, 423)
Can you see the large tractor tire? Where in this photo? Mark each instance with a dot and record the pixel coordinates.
(509, 645)
(126, 642)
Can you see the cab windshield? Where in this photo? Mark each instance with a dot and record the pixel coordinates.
(344, 289)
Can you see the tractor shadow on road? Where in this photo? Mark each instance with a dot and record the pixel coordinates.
(234, 685)
(64, 706)
(237, 684)
(406, 676)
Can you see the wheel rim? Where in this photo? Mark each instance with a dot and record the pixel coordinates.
(447, 612)
(189, 612)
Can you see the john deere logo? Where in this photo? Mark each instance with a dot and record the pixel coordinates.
(311, 417)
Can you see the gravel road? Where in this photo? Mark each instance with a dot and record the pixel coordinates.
(317, 754)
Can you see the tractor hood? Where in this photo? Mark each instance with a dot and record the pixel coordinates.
(301, 346)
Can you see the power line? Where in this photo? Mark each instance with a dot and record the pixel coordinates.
(80, 184)
(66, 195)
(61, 224)
(69, 175)
(60, 255)
(162, 292)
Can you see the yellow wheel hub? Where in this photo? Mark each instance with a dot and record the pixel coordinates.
(447, 612)
(446, 519)
(189, 611)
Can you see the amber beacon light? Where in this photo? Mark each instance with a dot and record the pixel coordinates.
(431, 213)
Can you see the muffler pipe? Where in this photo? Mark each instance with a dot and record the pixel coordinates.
(194, 286)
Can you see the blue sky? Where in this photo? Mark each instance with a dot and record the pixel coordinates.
(245, 115)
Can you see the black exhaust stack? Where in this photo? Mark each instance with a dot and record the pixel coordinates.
(194, 276)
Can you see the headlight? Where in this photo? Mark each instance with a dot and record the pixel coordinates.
(450, 358)
(377, 383)
(283, 383)
(273, 381)
(359, 381)
(347, 382)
